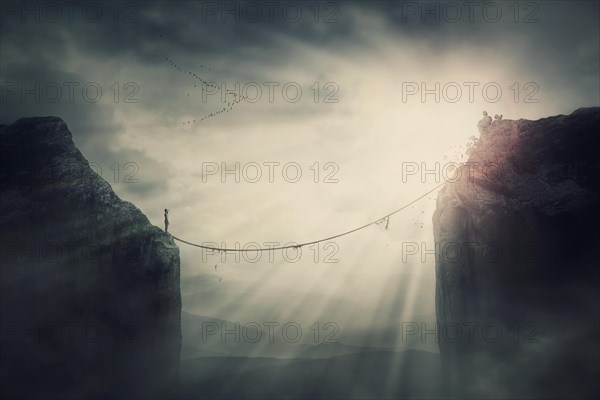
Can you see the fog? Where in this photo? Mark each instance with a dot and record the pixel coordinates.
(366, 144)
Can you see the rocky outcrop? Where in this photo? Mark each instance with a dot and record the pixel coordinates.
(517, 266)
(89, 289)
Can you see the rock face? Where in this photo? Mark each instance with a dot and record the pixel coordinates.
(89, 289)
(517, 266)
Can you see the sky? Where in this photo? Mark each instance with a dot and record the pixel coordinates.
(334, 114)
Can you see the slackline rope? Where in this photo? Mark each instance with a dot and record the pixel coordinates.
(295, 246)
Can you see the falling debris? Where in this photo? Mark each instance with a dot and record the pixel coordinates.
(385, 220)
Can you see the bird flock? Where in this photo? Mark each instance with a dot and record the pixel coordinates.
(205, 84)
(459, 154)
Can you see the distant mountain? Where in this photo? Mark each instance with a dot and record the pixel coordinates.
(204, 367)
(416, 332)
(188, 352)
(413, 373)
(388, 338)
(207, 336)
(326, 350)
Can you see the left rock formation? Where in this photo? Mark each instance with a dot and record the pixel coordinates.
(90, 304)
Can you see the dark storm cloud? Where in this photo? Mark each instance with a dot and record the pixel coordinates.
(37, 64)
(181, 30)
(182, 27)
(197, 26)
(23, 95)
(186, 31)
(557, 39)
(206, 35)
(193, 33)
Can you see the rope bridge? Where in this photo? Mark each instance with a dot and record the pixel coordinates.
(295, 246)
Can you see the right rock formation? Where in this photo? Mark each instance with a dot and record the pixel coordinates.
(517, 239)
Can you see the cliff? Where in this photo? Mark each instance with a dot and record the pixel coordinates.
(89, 289)
(517, 271)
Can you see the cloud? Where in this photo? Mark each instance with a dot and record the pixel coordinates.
(368, 133)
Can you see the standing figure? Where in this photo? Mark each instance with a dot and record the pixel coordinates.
(484, 122)
(166, 220)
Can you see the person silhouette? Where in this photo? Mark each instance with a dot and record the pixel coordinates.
(166, 220)
(484, 122)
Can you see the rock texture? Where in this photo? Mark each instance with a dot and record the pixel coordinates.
(517, 234)
(89, 289)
